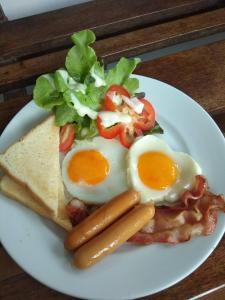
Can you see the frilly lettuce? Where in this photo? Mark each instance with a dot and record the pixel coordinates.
(81, 57)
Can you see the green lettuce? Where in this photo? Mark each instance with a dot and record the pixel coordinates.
(86, 129)
(131, 85)
(121, 72)
(98, 74)
(45, 93)
(65, 114)
(81, 57)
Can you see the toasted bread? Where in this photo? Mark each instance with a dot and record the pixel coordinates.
(20, 193)
(33, 162)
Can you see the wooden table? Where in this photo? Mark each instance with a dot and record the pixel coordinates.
(38, 44)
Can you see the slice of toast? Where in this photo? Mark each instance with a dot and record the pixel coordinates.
(33, 162)
(14, 190)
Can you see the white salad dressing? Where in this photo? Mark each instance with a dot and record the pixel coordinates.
(109, 118)
(134, 103)
(72, 84)
(98, 80)
(83, 110)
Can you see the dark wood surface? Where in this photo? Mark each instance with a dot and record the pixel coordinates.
(25, 71)
(40, 46)
(49, 31)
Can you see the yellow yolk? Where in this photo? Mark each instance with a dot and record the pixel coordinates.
(88, 166)
(157, 170)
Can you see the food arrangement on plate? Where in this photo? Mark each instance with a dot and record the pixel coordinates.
(98, 165)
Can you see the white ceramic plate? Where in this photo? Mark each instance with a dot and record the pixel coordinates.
(133, 271)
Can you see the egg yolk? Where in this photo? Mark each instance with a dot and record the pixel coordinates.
(88, 166)
(156, 170)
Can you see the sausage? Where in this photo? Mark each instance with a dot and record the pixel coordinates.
(100, 219)
(114, 236)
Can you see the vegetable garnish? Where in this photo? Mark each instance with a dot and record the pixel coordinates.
(77, 93)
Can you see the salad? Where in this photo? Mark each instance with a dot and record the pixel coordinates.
(88, 101)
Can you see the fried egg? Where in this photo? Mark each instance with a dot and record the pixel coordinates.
(160, 174)
(95, 171)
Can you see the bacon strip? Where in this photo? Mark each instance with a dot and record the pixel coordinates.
(194, 214)
(78, 211)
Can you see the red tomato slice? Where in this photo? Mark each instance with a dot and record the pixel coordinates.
(126, 132)
(126, 138)
(147, 118)
(108, 103)
(110, 132)
(67, 135)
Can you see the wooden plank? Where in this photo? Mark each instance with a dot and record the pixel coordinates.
(8, 267)
(24, 287)
(9, 108)
(140, 41)
(220, 121)
(164, 35)
(208, 276)
(51, 30)
(199, 72)
(219, 294)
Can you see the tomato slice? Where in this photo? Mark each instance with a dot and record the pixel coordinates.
(126, 132)
(110, 132)
(118, 89)
(126, 138)
(67, 135)
(146, 120)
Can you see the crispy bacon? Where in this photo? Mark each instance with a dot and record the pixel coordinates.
(194, 214)
(78, 211)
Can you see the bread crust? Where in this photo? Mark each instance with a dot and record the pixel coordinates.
(6, 168)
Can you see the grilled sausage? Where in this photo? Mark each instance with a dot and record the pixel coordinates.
(100, 219)
(114, 236)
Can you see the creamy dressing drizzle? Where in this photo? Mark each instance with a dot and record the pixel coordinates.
(110, 118)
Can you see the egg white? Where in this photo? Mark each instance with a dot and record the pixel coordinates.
(116, 180)
(188, 168)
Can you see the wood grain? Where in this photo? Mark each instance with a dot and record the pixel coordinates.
(51, 30)
(8, 267)
(25, 72)
(163, 35)
(199, 72)
(9, 108)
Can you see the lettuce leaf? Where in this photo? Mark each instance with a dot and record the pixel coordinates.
(98, 74)
(131, 85)
(81, 57)
(87, 129)
(65, 114)
(45, 93)
(120, 73)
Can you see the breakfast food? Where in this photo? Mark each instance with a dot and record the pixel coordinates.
(33, 162)
(96, 168)
(95, 171)
(15, 191)
(114, 236)
(100, 219)
(33, 173)
(158, 173)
